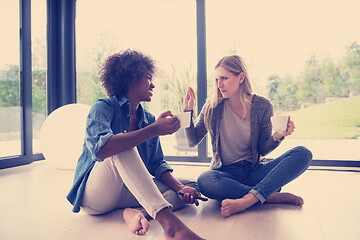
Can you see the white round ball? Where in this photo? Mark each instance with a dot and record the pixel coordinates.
(62, 135)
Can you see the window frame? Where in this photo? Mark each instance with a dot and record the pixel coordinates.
(26, 155)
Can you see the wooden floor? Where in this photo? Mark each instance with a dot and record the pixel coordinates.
(33, 207)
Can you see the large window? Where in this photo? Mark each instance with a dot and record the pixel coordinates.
(165, 30)
(10, 107)
(304, 57)
(22, 84)
(39, 68)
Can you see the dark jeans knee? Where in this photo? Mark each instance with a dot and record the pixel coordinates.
(208, 183)
(305, 155)
(203, 181)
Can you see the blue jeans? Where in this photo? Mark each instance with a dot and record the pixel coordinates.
(238, 179)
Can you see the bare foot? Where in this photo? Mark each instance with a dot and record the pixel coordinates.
(174, 228)
(136, 221)
(285, 198)
(231, 206)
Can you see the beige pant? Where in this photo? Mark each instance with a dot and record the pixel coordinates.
(123, 181)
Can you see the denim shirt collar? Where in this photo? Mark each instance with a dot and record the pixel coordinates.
(124, 102)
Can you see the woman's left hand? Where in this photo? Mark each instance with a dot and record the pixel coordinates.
(289, 130)
(187, 198)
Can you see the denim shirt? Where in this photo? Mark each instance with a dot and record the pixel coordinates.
(108, 117)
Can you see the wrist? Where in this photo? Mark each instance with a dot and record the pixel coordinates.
(278, 138)
(168, 179)
(179, 188)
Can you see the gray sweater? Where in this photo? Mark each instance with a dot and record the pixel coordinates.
(262, 141)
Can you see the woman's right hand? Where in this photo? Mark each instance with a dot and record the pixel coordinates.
(166, 124)
(189, 100)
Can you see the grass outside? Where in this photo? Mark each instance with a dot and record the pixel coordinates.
(337, 119)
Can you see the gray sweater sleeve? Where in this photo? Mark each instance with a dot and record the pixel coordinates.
(266, 141)
(196, 132)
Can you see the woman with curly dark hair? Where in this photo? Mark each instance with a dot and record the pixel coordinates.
(122, 164)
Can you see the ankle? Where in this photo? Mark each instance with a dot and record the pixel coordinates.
(163, 215)
(250, 198)
(166, 217)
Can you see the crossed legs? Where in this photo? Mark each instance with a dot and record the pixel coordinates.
(122, 181)
(238, 187)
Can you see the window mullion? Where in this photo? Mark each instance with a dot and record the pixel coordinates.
(201, 66)
(26, 80)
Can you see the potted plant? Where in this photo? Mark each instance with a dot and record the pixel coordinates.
(178, 86)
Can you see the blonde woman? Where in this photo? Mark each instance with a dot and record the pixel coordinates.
(241, 134)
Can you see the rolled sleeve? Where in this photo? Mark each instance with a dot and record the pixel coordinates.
(164, 167)
(153, 157)
(102, 141)
(98, 128)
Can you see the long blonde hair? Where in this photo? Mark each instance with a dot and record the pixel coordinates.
(235, 65)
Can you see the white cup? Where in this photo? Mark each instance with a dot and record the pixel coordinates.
(279, 122)
(184, 119)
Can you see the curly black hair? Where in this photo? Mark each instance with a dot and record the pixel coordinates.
(123, 69)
